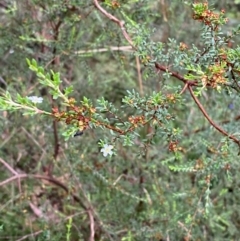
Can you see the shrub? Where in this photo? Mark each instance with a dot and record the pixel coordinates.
(128, 132)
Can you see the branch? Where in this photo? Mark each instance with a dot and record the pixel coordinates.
(138, 65)
(12, 171)
(30, 235)
(8, 167)
(100, 50)
(174, 74)
(89, 210)
(210, 120)
(189, 84)
(116, 20)
(50, 179)
(92, 229)
(204, 128)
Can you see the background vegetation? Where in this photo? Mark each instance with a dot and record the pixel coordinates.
(173, 174)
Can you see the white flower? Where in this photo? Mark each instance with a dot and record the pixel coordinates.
(107, 150)
(35, 99)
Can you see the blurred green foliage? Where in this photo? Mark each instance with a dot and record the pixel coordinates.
(145, 191)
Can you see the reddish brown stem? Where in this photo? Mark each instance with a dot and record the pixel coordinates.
(175, 74)
(116, 20)
(210, 120)
(188, 84)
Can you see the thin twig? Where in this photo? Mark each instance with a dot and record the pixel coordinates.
(110, 48)
(30, 235)
(139, 75)
(92, 229)
(184, 88)
(8, 167)
(18, 176)
(12, 171)
(33, 139)
(116, 20)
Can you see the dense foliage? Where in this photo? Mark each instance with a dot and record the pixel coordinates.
(119, 120)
